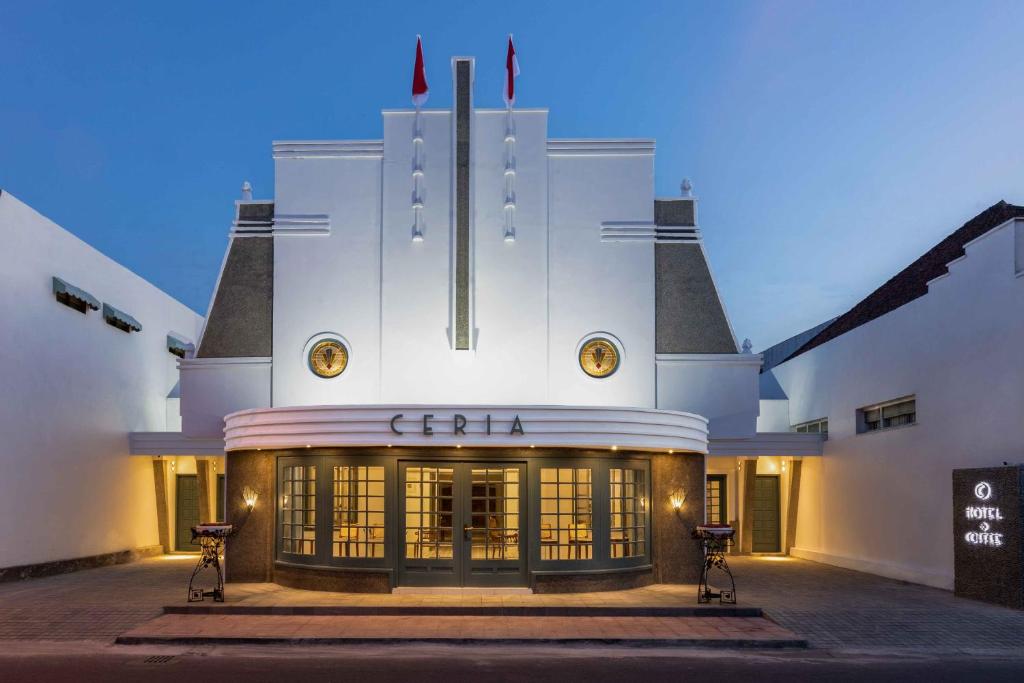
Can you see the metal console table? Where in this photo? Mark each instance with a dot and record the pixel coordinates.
(715, 539)
(210, 538)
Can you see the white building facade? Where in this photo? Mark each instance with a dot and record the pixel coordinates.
(922, 377)
(465, 299)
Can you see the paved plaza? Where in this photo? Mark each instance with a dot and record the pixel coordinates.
(833, 609)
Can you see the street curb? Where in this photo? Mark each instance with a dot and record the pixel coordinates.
(716, 643)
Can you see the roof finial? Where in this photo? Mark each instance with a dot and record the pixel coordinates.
(747, 346)
(686, 187)
(246, 191)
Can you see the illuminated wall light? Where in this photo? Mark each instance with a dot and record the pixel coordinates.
(458, 445)
(676, 499)
(615, 448)
(250, 495)
(670, 451)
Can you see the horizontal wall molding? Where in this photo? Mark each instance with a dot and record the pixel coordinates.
(186, 364)
(597, 147)
(328, 149)
(644, 231)
(543, 426)
(302, 224)
(769, 443)
(172, 443)
(709, 359)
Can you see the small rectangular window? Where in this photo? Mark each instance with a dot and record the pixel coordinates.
(889, 415)
(819, 426)
(120, 319)
(566, 513)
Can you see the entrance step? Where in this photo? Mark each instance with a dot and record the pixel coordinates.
(467, 610)
(461, 591)
(249, 629)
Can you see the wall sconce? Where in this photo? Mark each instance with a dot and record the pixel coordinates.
(677, 499)
(249, 495)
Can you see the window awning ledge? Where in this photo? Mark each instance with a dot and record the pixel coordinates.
(120, 319)
(64, 292)
(180, 347)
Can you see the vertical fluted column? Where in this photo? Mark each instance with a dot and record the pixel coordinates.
(510, 177)
(417, 178)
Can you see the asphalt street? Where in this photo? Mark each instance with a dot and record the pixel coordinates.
(58, 662)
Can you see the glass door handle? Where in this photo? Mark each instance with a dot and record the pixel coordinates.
(465, 531)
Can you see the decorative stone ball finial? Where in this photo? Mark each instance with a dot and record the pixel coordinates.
(246, 191)
(686, 188)
(747, 346)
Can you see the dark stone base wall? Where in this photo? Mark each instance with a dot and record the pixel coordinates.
(41, 569)
(319, 579)
(677, 557)
(591, 583)
(249, 553)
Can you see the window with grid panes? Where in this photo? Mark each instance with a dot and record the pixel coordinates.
(298, 509)
(566, 513)
(628, 512)
(358, 511)
(888, 415)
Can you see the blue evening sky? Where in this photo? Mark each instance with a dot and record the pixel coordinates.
(830, 143)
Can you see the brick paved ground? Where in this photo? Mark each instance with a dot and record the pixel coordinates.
(830, 607)
(95, 604)
(840, 608)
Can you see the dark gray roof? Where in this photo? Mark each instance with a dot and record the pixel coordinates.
(241, 320)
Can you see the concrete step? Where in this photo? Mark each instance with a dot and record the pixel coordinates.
(469, 610)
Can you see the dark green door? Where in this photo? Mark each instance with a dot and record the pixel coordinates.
(766, 514)
(222, 513)
(716, 500)
(462, 524)
(187, 511)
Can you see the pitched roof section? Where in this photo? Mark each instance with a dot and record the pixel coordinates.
(912, 282)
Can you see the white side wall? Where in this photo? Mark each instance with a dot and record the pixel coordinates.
(721, 387)
(881, 501)
(73, 388)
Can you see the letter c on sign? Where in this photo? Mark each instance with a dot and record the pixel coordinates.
(393, 427)
(983, 490)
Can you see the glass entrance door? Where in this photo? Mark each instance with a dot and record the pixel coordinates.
(463, 524)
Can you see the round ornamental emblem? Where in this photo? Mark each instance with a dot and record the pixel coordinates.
(328, 358)
(599, 357)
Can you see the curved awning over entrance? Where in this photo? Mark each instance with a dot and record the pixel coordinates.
(463, 425)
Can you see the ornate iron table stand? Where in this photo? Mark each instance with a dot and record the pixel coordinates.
(211, 543)
(715, 540)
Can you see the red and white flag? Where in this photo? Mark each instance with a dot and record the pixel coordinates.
(420, 91)
(511, 71)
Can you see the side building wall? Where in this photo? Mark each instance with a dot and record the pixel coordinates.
(73, 388)
(881, 501)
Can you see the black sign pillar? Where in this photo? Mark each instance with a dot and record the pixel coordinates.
(988, 536)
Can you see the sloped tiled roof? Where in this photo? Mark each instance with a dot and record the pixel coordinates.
(912, 282)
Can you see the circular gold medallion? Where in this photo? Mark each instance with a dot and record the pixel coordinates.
(328, 358)
(599, 357)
